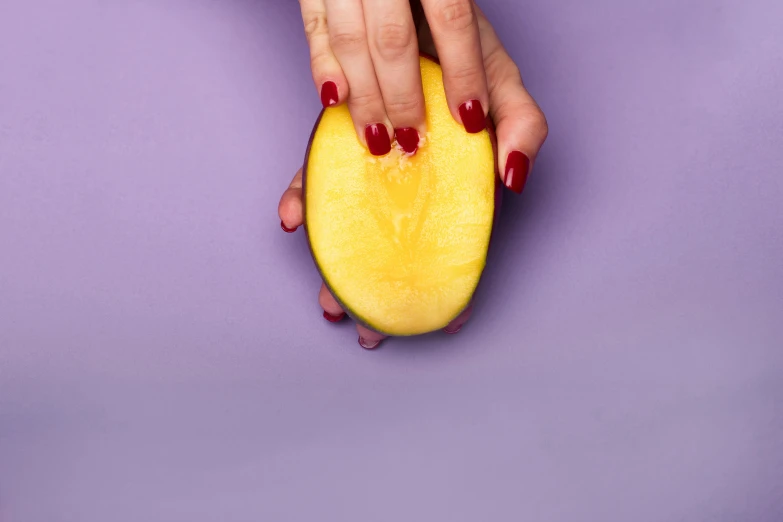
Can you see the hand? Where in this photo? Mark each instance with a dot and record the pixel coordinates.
(365, 53)
(521, 129)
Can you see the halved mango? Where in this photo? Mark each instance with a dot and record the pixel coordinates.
(401, 241)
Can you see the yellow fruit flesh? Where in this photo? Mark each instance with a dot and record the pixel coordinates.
(401, 240)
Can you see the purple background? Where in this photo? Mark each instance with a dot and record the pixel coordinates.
(162, 354)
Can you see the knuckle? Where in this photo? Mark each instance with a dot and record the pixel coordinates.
(319, 59)
(403, 106)
(522, 115)
(542, 125)
(364, 103)
(466, 75)
(315, 24)
(501, 71)
(394, 39)
(348, 38)
(455, 15)
(535, 122)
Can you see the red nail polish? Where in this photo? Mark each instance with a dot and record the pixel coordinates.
(473, 117)
(517, 169)
(333, 318)
(408, 139)
(329, 94)
(378, 140)
(286, 229)
(452, 331)
(368, 345)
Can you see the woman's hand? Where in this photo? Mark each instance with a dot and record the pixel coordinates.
(365, 53)
(521, 129)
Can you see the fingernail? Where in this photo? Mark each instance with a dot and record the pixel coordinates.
(368, 345)
(472, 115)
(452, 330)
(408, 139)
(329, 94)
(333, 318)
(377, 139)
(286, 229)
(517, 169)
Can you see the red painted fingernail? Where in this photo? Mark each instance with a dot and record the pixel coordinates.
(329, 94)
(473, 117)
(378, 140)
(408, 139)
(333, 318)
(286, 229)
(452, 331)
(517, 169)
(368, 345)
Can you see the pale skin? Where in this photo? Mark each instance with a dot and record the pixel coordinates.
(520, 125)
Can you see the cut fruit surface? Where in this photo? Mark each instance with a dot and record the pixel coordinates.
(401, 240)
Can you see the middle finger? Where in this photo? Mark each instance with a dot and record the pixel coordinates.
(348, 39)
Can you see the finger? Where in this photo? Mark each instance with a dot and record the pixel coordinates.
(520, 124)
(455, 31)
(456, 325)
(369, 339)
(290, 209)
(348, 40)
(333, 312)
(327, 73)
(395, 56)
